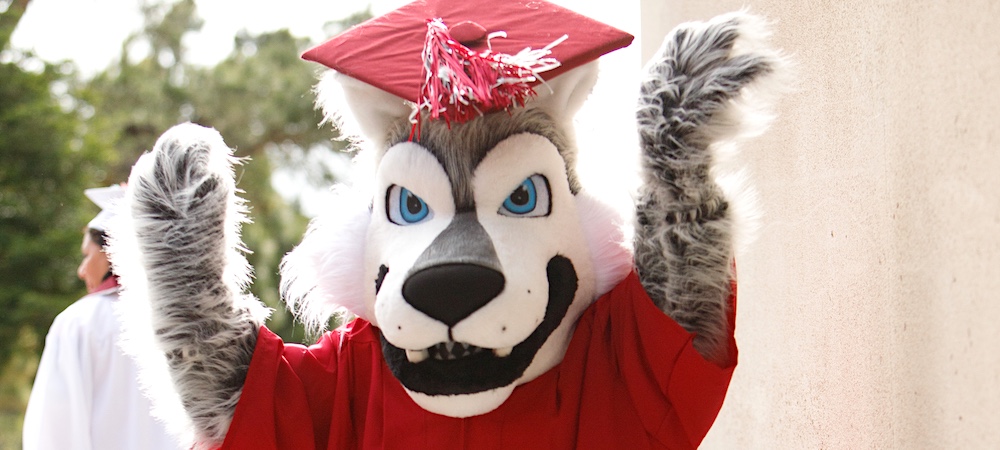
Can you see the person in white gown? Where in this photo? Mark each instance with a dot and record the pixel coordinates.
(86, 393)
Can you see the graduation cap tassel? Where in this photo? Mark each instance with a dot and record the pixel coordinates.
(460, 83)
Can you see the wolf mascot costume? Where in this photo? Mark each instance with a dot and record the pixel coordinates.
(496, 303)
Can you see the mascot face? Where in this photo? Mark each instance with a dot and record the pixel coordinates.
(474, 253)
(478, 260)
(473, 249)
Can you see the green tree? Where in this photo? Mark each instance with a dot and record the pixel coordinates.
(139, 97)
(10, 14)
(47, 162)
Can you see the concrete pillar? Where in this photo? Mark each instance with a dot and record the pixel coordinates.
(869, 312)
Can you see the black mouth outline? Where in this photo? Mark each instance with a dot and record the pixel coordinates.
(484, 371)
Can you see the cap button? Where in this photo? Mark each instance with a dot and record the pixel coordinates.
(468, 33)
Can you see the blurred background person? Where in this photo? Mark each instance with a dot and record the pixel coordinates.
(86, 393)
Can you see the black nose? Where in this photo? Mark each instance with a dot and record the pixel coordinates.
(452, 292)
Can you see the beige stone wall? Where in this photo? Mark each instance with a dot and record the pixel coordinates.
(870, 302)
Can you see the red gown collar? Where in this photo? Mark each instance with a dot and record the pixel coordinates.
(108, 283)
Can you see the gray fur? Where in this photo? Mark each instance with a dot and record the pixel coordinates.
(684, 230)
(185, 219)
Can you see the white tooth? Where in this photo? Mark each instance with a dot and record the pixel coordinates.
(503, 352)
(416, 356)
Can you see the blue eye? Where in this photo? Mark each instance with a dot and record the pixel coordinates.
(530, 199)
(404, 207)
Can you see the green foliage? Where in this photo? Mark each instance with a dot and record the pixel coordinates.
(10, 14)
(47, 162)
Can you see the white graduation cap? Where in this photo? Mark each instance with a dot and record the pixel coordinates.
(107, 198)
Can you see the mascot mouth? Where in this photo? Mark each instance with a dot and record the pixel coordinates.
(455, 368)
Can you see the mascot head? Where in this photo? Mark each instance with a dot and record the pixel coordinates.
(470, 244)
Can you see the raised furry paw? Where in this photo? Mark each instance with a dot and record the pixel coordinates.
(700, 68)
(186, 181)
(182, 254)
(692, 99)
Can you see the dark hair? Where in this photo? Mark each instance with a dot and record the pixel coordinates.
(99, 237)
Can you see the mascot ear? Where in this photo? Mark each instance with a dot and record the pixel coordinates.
(359, 109)
(562, 97)
(362, 110)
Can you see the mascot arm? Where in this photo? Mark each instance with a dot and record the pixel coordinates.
(185, 220)
(689, 106)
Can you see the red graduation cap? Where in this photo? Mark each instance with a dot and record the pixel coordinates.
(460, 58)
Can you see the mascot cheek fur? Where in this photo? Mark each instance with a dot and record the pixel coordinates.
(495, 303)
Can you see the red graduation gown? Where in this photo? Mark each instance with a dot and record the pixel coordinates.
(630, 379)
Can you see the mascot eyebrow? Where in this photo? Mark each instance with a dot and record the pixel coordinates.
(464, 330)
(459, 148)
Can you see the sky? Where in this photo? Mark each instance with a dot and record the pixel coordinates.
(90, 33)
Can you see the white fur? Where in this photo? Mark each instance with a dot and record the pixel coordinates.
(607, 235)
(563, 96)
(322, 276)
(362, 112)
